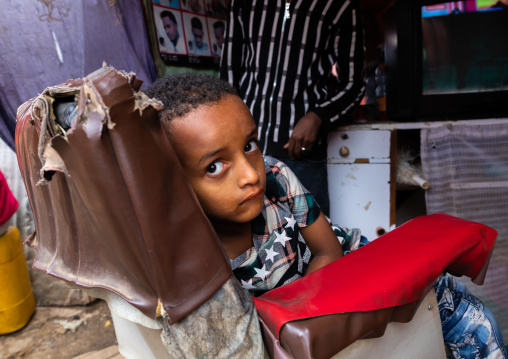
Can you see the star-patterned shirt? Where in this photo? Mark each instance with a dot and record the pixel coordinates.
(280, 254)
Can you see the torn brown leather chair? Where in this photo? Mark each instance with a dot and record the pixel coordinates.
(114, 215)
(111, 205)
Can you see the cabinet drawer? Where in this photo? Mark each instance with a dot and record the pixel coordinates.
(360, 197)
(359, 146)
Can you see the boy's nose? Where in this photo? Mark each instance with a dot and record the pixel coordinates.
(247, 173)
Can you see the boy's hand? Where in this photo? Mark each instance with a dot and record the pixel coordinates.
(322, 242)
(304, 135)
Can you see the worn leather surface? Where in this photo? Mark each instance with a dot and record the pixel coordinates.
(328, 333)
(112, 207)
(356, 296)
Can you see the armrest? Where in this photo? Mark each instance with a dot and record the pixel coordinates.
(386, 278)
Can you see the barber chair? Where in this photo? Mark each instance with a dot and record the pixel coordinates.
(420, 338)
(97, 168)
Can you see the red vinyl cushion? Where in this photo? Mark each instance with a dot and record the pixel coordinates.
(395, 269)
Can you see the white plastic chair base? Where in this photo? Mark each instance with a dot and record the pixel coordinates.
(421, 338)
(136, 341)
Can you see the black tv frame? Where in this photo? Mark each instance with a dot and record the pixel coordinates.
(403, 59)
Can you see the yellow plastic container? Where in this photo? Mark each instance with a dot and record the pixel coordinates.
(17, 302)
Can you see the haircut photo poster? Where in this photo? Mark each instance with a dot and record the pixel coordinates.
(189, 32)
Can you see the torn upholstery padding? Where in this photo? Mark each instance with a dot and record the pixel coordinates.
(225, 327)
(120, 215)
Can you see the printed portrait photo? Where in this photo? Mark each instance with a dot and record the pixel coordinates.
(170, 32)
(195, 6)
(171, 3)
(216, 29)
(217, 8)
(196, 32)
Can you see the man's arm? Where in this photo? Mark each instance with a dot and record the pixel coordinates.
(304, 135)
(348, 52)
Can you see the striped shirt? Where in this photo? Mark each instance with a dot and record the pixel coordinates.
(280, 59)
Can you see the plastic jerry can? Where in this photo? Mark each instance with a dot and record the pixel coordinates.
(17, 302)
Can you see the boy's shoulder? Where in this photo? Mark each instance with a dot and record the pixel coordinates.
(275, 166)
(280, 178)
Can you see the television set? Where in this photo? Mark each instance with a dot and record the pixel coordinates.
(447, 60)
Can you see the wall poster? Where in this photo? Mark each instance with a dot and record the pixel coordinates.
(190, 32)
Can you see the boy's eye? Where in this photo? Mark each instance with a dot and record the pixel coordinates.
(252, 145)
(215, 168)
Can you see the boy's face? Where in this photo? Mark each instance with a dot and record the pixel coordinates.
(217, 145)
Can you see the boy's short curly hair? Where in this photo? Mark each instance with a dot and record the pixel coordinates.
(183, 93)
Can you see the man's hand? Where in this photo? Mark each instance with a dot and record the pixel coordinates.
(304, 136)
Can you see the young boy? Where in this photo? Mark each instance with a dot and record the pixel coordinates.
(270, 226)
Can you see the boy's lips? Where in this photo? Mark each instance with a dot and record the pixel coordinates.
(253, 195)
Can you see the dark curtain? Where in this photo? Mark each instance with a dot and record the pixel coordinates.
(46, 42)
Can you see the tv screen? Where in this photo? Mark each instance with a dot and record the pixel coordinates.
(447, 60)
(465, 47)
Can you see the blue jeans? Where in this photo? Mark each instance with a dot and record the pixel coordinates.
(469, 327)
(314, 177)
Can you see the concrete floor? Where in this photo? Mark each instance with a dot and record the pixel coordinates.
(83, 332)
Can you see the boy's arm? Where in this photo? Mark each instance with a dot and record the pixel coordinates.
(322, 242)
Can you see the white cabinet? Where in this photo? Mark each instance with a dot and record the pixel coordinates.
(360, 180)
(362, 171)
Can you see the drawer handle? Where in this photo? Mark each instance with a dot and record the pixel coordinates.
(344, 151)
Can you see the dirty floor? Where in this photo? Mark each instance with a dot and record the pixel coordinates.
(81, 332)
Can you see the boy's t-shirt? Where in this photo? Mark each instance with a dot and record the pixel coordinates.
(280, 254)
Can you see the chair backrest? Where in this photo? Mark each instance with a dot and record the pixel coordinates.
(111, 204)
